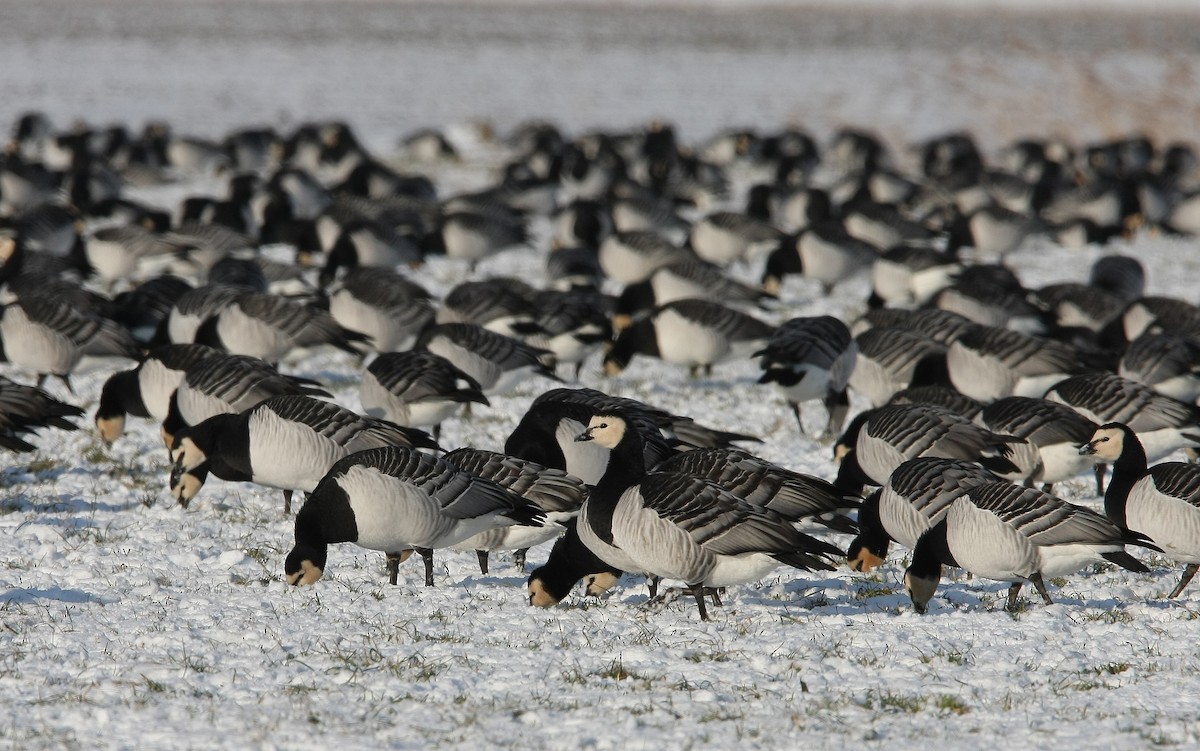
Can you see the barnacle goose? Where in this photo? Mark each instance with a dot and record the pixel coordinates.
(988, 363)
(392, 499)
(554, 491)
(268, 327)
(914, 498)
(682, 280)
(569, 561)
(1169, 364)
(473, 236)
(631, 257)
(680, 527)
(113, 253)
(1050, 433)
(49, 336)
(497, 362)
(286, 442)
(368, 244)
(891, 359)
(945, 397)
(696, 333)
(1162, 502)
(24, 409)
(811, 358)
(824, 252)
(500, 304)
(573, 325)
(1163, 424)
(416, 389)
(879, 440)
(908, 275)
(227, 384)
(194, 307)
(723, 237)
(387, 308)
(145, 391)
(1005, 532)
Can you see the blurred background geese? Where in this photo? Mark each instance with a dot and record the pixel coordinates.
(680, 527)
(145, 391)
(1009, 533)
(392, 499)
(286, 442)
(1162, 502)
(416, 389)
(24, 409)
(808, 359)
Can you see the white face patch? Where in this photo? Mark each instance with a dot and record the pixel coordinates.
(539, 597)
(110, 428)
(187, 454)
(308, 574)
(1107, 443)
(607, 430)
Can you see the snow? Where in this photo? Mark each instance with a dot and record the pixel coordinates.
(128, 622)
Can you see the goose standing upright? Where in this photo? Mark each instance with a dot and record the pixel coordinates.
(1161, 502)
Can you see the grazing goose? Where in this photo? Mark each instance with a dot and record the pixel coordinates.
(286, 442)
(49, 336)
(500, 304)
(695, 333)
(194, 307)
(631, 257)
(891, 359)
(268, 327)
(382, 305)
(574, 325)
(811, 358)
(555, 492)
(824, 252)
(392, 499)
(495, 361)
(1167, 363)
(682, 280)
(909, 275)
(227, 384)
(880, 440)
(1161, 502)
(941, 326)
(1009, 533)
(723, 237)
(370, 245)
(416, 389)
(145, 391)
(939, 396)
(915, 497)
(24, 409)
(988, 363)
(473, 236)
(569, 561)
(1051, 434)
(680, 527)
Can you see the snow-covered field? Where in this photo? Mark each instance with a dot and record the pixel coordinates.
(128, 622)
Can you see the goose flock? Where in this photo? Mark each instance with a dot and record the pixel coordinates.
(956, 398)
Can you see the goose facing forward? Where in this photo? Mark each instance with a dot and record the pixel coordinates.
(1161, 502)
(680, 527)
(286, 442)
(1009, 533)
(392, 499)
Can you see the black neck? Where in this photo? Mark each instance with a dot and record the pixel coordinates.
(932, 552)
(626, 468)
(1127, 469)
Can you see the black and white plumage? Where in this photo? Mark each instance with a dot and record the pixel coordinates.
(808, 359)
(269, 327)
(631, 257)
(417, 389)
(382, 305)
(286, 442)
(695, 333)
(500, 304)
(497, 362)
(942, 326)
(723, 237)
(1167, 363)
(988, 363)
(227, 384)
(49, 336)
(569, 561)
(909, 275)
(393, 499)
(891, 359)
(1050, 433)
(935, 395)
(24, 409)
(1161, 502)
(880, 440)
(682, 280)
(680, 527)
(573, 325)
(145, 391)
(1009, 533)
(473, 236)
(555, 492)
(1162, 424)
(914, 498)
(114, 253)
(824, 252)
(370, 245)
(194, 307)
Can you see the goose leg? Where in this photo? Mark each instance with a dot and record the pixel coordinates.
(1188, 573)
(796, 411)
(437, 433)
(715, 594)
(427, 554)
(393, 564)
(652, 585)
(287, 503)
(698, 593)
(1013, 591)
(482, 555)
(837, 403)
(519, 558)
(1041, 588)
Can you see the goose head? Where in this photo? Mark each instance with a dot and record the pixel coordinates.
(189, 469)
(1108, 442)
(605, 430)
(305, 564)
